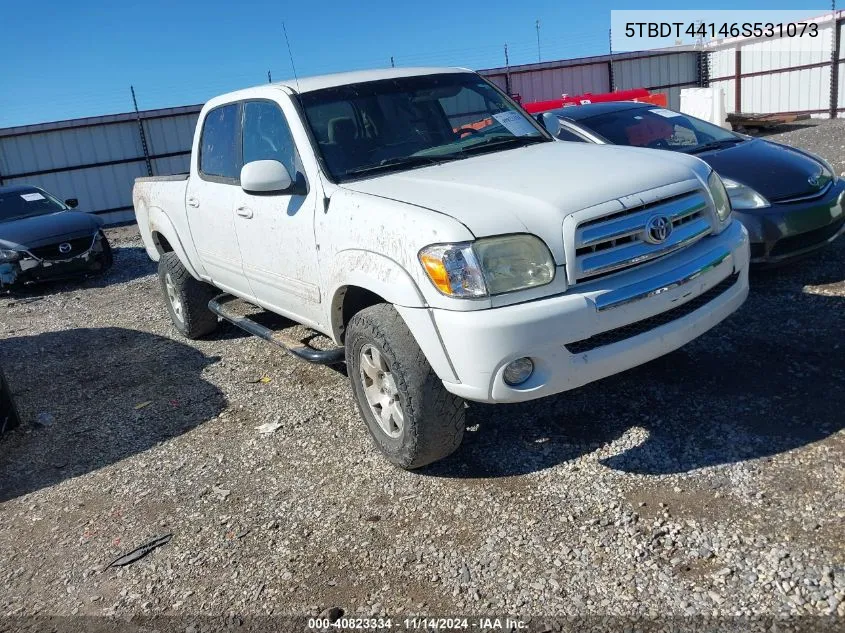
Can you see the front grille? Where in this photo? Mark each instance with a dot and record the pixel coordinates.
(804, 197)
(798, 243)
(629, 331)
(77, 247)
(617, 241)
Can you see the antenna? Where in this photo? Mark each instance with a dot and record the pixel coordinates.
(292, 65)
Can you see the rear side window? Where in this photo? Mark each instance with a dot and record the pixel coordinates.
(566, 134)
(267, 136)
(219, 156)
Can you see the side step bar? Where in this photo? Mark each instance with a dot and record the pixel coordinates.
(334, 356)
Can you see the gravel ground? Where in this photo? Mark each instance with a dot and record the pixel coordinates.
(709, 482)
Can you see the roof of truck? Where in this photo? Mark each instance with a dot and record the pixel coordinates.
(318, 82)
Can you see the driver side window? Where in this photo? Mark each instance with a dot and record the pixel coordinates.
(266, 136)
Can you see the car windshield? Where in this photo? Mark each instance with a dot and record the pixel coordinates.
(659, 128)
(25, 202)
(395, 124)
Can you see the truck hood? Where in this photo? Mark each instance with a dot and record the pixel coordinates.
(532, 189)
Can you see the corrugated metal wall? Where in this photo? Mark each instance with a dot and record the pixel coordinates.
(97, 160)
(781, 75)
(667, 74)
(660, 71)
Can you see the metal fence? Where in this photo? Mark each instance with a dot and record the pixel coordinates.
(782, 75)
(97, 159)
(666, 71)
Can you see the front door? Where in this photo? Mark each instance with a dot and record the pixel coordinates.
(210, 199)
(276, 231)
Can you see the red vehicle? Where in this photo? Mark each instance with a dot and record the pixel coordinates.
(636, 94)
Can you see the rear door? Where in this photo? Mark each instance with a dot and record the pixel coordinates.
(276, 231)
(211, 195)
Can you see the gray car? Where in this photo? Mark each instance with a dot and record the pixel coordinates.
(42, 238)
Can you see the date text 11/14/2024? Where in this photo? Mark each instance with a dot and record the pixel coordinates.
(419, 623)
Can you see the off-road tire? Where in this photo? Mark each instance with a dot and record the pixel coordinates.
(196, 320)
(434, 419)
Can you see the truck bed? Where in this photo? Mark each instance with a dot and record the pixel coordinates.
(163, 196)
(162, 178)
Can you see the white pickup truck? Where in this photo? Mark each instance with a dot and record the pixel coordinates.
(443, 239)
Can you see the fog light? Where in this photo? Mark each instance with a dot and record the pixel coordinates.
(518, 371)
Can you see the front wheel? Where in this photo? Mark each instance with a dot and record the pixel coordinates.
(186, 298)
(413, 420)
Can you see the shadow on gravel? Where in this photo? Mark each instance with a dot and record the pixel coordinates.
(101, 395)
(767, 380)
(130, 262)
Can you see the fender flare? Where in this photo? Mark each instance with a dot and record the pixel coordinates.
(374, 272)
(160, 223)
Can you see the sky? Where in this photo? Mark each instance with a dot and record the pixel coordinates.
(62, 60)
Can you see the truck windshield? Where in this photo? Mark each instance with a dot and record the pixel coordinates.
(24, 202)
(395, 124)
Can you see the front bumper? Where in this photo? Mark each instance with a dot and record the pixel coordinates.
(788, 230)
(31, 269)
(600, 328)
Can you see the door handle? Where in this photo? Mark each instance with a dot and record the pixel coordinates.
(193, 202)
(244, 212)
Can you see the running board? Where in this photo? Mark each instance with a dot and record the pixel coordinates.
(300, 350)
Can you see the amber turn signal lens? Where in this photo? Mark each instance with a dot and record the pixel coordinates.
(436, 272)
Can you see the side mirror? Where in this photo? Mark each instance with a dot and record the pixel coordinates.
(72, 203)
(551, 123)
(265, 176)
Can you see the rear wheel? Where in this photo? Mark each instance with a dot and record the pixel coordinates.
(186, 298)
(414, 421)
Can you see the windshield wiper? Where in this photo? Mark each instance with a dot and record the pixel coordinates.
(495, 142)
(402, 162)
(714, 145)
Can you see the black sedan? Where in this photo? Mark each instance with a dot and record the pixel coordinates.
(789, 200)
(43, 239)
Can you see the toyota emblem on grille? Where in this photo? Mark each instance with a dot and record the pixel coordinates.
(64, 248)
(658, 229)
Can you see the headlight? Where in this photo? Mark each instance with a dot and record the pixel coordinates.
(9, 256)
(743, 196)
(489, 266)
(827, 168)
(720, 196)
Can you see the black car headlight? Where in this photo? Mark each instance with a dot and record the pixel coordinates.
(7, 255)
(743, 196)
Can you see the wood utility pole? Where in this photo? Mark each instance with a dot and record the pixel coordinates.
(142, 134)
(610, 77)
(537, 25)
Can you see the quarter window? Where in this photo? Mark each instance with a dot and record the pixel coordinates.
(267, 136)
(218, 154)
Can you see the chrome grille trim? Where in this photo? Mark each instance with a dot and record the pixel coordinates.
(615, 242)
(635, 222)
